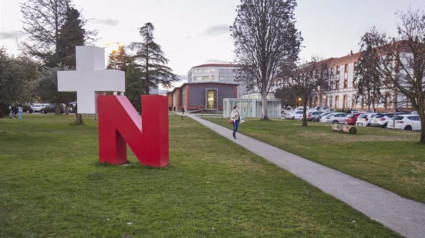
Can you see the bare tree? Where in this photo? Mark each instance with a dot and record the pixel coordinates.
(367, 76)
(313, 76)
(54, 27)
(264, 36)
(402, 61)
(43, 20)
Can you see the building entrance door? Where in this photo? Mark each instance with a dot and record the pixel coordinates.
(212, 99)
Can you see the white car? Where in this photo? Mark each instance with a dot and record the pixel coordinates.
(407, 122)
(381, 120)
(334, 118)
(294, 115)
(298, 115)
(365, 119)
(36, 107)
(288, 115)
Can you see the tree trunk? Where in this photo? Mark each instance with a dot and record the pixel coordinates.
(368, 100)
(422, 118)
(57, 108)
(78, 117)
(264, 106)
(305, 113)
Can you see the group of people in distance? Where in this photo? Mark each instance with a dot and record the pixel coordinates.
(14, 111)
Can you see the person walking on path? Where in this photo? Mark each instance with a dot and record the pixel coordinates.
(235, 117)
(182, 112)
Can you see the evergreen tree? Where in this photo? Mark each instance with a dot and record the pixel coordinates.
(118, 59)
(71, 34)
(150, 59)
(135, 86)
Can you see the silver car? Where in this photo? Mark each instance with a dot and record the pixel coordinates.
(334, 118)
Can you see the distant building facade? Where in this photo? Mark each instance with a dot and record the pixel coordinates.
(206, 88)
(342, 92)
(218, 73)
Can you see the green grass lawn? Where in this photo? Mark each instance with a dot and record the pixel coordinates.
(52, 186)
(391, 159)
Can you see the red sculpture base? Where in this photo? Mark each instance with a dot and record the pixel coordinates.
(121, 124)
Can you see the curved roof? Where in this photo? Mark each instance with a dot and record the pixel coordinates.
(216, 65)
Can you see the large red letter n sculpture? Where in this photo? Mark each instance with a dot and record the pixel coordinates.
(120, 124)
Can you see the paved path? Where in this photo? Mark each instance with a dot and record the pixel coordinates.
(402, 215)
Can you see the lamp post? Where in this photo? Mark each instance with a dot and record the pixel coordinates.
(299, 101)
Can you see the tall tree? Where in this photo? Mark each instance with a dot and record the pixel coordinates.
(54, 29)
(17, 76)
(118, 59)
(151, 61)
(264, 36)
(402, 61)
(313, 76)
(43, 20)
(135, 86)
(71, 34)
(367, 75)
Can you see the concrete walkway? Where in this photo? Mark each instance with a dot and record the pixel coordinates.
(401, 215)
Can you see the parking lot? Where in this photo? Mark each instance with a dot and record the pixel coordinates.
(391, 120)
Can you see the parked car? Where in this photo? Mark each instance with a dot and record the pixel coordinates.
(323, 114)
(327, 109)
(25, 108)
(351, 118)
(334, 118)
(288, 115)
(293, 115)
(51, 108)
(391, 123)
(313, 116)
(365, 119)
(36, 107)
(407, 122)
(287, 109)
(381, 120)
(298, 115)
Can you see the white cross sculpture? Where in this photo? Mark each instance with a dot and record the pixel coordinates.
(90, 78)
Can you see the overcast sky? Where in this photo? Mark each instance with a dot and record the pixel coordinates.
(194, 32)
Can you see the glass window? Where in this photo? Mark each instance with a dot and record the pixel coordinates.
(414, 118)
